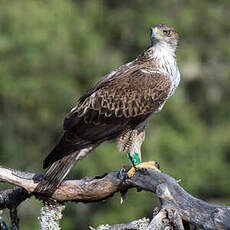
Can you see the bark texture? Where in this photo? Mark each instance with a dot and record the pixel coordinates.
(177, 206)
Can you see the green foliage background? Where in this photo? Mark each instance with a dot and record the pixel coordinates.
(53, 51)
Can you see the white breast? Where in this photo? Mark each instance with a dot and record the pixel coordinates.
(165, 56)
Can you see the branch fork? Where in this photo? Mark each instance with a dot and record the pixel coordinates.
(173, 198)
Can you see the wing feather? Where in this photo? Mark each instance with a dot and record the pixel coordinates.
(127, 95)
(141, 93)
(116, 106)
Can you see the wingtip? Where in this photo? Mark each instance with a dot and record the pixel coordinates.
(44, 165)
(48, 160)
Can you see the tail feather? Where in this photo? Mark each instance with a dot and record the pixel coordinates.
(58, 171)
(56, 174)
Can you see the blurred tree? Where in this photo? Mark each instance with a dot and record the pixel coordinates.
(52, 51)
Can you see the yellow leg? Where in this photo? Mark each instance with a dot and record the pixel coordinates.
(149, 165)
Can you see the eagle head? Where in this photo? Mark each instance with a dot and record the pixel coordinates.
(164, 34)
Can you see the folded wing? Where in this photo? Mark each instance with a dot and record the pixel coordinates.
(113, 107)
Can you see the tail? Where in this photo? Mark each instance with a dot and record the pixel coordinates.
(58, 171)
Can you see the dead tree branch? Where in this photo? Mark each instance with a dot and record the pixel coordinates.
(140, 224)
(51, 214)
(164, 219)
(172, 196)
(11, 198)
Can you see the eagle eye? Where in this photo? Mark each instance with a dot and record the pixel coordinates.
(167, 33)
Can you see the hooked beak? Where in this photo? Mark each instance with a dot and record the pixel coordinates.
(155, 33)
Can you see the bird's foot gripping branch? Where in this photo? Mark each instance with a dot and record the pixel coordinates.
(173, 197)
(135, 159)
(143, 166)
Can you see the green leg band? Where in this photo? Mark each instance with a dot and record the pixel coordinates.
(134, 158)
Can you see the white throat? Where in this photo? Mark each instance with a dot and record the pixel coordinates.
(164, 54)
(165, 57)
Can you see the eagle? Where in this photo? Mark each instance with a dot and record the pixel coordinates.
(118, 106)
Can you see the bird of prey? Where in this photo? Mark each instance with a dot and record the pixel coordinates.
(118, 106)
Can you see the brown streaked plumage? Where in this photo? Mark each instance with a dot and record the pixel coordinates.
(118, 106)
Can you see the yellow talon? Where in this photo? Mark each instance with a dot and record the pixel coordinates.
(150, 165)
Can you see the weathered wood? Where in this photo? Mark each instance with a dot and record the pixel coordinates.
(172, 196)
(11, 198)
(14, 219)
(166, 219)
(51, 214)
(85, 190)
(140, 224)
